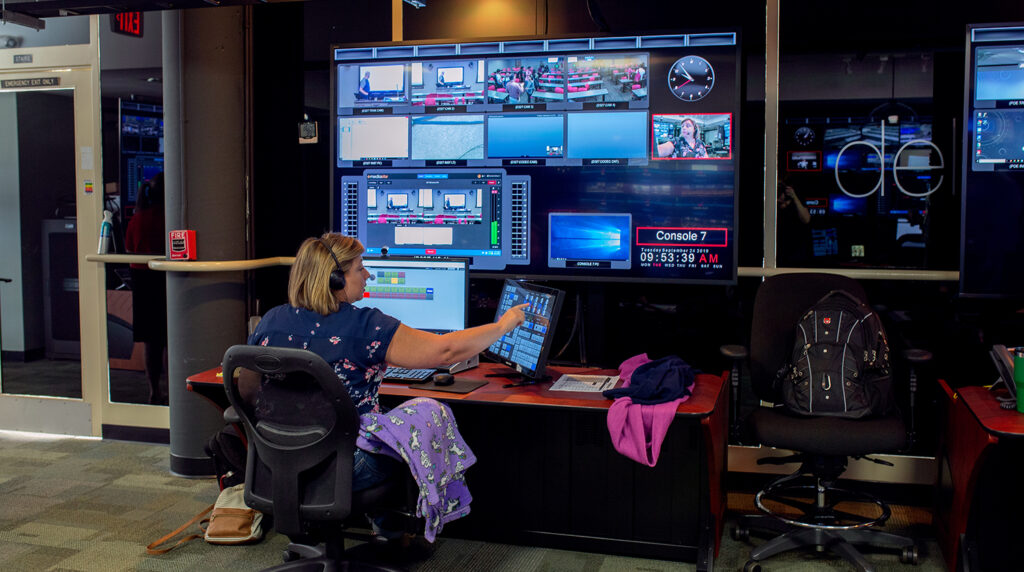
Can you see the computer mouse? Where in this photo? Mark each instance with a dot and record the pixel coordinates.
(443, 379)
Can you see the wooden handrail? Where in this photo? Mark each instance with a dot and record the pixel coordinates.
(219, 265)
(122, 258)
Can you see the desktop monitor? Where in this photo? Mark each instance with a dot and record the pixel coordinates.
(526, 348)
(426, 294)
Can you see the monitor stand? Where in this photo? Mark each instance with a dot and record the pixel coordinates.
(522, 378)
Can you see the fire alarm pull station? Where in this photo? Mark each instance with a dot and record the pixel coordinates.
(183, 244)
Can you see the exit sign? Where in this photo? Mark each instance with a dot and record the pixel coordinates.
(127, 23)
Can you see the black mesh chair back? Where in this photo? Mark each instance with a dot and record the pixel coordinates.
(780, 302)
(302, 427)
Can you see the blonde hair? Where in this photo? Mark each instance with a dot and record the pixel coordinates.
(310, 278)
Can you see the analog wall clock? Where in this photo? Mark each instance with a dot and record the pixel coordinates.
(804, 136)
(691, 78)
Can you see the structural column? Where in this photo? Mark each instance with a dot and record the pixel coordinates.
(205, 153)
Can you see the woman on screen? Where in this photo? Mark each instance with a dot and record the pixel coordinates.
(359, 342)
(688, 146)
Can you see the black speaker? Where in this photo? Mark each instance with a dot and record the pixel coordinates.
(337, 280)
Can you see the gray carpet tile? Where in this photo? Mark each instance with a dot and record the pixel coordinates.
(86, 505)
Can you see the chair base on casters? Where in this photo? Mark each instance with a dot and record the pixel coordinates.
(839, 542)
(820, 523)
(307, 558)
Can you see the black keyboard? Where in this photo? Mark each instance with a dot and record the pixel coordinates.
(401, 374)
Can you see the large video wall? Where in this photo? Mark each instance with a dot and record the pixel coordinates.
(577, 158)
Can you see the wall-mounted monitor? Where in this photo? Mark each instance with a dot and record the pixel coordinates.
(141, 148)
(538, 148)
(993, 163)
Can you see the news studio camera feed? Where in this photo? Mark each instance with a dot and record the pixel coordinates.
(453, 82)
(695, 136)
(561, 158)
(447, 137)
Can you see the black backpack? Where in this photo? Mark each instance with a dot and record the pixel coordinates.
(840, 361)
(228, 451)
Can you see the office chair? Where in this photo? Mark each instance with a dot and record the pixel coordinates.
(299, 463)
(823, 444)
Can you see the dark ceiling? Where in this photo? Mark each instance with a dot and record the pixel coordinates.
(52, 8)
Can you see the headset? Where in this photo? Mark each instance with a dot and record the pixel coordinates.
(337, 279)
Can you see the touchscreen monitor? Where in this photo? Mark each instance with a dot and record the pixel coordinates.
(526, 347)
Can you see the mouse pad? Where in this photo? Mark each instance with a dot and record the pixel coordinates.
(460, 386)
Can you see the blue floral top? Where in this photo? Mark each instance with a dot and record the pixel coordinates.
(352, 340)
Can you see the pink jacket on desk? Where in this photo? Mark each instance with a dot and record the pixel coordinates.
(637, 431)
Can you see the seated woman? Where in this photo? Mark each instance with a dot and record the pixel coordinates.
(327, 278)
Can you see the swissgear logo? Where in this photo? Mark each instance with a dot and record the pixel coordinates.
(827, 321)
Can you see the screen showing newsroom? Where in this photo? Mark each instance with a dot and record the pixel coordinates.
(993, 170)
(426, 294)
(575, 158)
(526, 348)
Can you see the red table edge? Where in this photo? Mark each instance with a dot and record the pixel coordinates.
(702, 403)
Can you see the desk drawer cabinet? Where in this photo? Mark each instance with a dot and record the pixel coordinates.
(549, 476)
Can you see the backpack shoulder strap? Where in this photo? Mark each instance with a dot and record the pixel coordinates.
(153, 549)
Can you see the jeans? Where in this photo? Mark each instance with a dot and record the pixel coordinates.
(369, 469)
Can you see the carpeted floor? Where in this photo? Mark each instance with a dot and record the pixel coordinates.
(92, 506)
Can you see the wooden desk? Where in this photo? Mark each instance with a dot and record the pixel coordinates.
(547, 473)
(979, 506)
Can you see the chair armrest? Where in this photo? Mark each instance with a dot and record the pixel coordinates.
(737, 354)
(916, 357)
